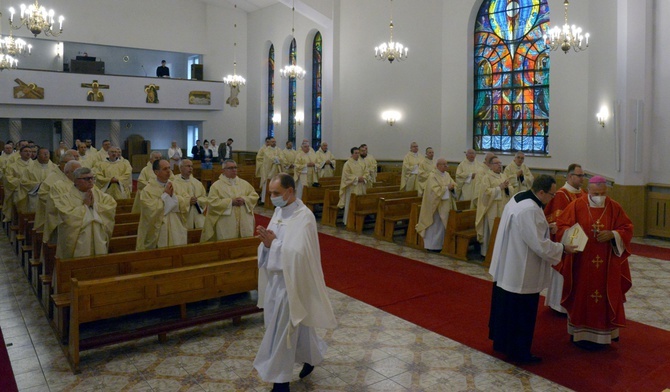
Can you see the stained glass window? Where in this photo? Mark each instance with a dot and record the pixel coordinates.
(271, 90)
(316, 91)
(511, 77)
(293, 58)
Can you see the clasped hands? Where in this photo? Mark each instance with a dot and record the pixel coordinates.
(605, 235)
(238, 202)
(266, 236)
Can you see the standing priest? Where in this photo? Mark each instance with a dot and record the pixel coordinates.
(291, 289)
(522, 258)
(438, 200)
(596, 281)
(354, 180)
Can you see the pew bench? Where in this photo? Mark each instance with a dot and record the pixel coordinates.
(133, 262)
(313, 196)
(413, 239)
(391, 213)
(330, 210)
(362, 206)
(107, 298)
(460, 232)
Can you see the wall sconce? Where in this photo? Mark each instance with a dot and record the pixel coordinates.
(59, 49)
(602, 115)
(299, 117)
(391, 116)
(276, 118)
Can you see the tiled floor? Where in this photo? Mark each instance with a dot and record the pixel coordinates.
(369, 351)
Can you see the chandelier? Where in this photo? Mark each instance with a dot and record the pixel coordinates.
(37, 19)
(567, 37)
(235, 80)
(8, 62)
(292, 70)
(391, 50)
(14, 47)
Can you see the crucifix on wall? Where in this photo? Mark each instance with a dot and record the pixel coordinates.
(95, 95)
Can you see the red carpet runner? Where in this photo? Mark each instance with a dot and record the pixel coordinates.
(7, 382)
(456, 306)
(654, 252)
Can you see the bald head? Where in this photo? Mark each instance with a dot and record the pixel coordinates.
(69, 169)
(441, 165)
(470, 155)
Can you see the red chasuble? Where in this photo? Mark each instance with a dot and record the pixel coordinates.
(557, 205)
(596, 280)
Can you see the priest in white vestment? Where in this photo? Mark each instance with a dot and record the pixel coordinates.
(18, 183)
(410, 168)
(51, 216)
(87, 159)
(230, 211)
(163, 207)
(271, 164)
(466, 173)
(260, 157)
(37, 173)
(114, 176)
(355, 178)
(288, 158)
(426, 166)
(174, 155)
(87, 217)
(45, 187)
(518, 173)
(370, 163)
(438, 199)
(522, 258)
(326, 161)
(146, 176)
(291, 289)
(306, 172)
(195, 217)
(103, 152)
(485, 167)
(494, 192)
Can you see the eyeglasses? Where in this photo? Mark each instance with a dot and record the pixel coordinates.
(86, 178)
(578, 175)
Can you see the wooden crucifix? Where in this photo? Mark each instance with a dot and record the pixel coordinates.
(95, 95)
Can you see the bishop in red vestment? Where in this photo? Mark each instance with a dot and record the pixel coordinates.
(596, 280)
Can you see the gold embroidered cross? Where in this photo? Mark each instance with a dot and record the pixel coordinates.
(597, 261)
(573, 236)
(95, 95)
(596, 228)
(596, 296)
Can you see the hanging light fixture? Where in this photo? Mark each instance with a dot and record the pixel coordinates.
(8, 62)
(14, 47)
(566, 37)
(235, 80)
(391, 50)
(37, 19)
(292, 70)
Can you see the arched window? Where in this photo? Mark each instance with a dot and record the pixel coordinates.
(316, 91)
(511, 76)
(271, 90)
(292, 59)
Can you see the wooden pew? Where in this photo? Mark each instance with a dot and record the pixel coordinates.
(107, 298)
(463, 204)
(124, 206)
(330, 211)
(413, 239)
(26, 247)
(128, 243)
(124, 229)
(389, 178)
(329, 181)
(492, 242)
(118, 264)
(35, 261)
(313, 196)
(362, 206)
(459, 233)
(390, 212)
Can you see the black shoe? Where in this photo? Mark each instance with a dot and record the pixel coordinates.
(306, 370)
(280, 387)
(589, 346)
(528, 359)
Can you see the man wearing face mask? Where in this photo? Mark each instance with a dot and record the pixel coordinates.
(522, 258)
(596, 280)
(291, 289)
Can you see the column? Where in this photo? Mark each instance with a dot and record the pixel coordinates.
(15, 128)
(67, 134)
(115, 133)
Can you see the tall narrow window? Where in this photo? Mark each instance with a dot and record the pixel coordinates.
(292, 59)
(271, 90)
(316, 91)
(511, 77)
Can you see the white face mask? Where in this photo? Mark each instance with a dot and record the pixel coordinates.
(599, 201)
(278, 201)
